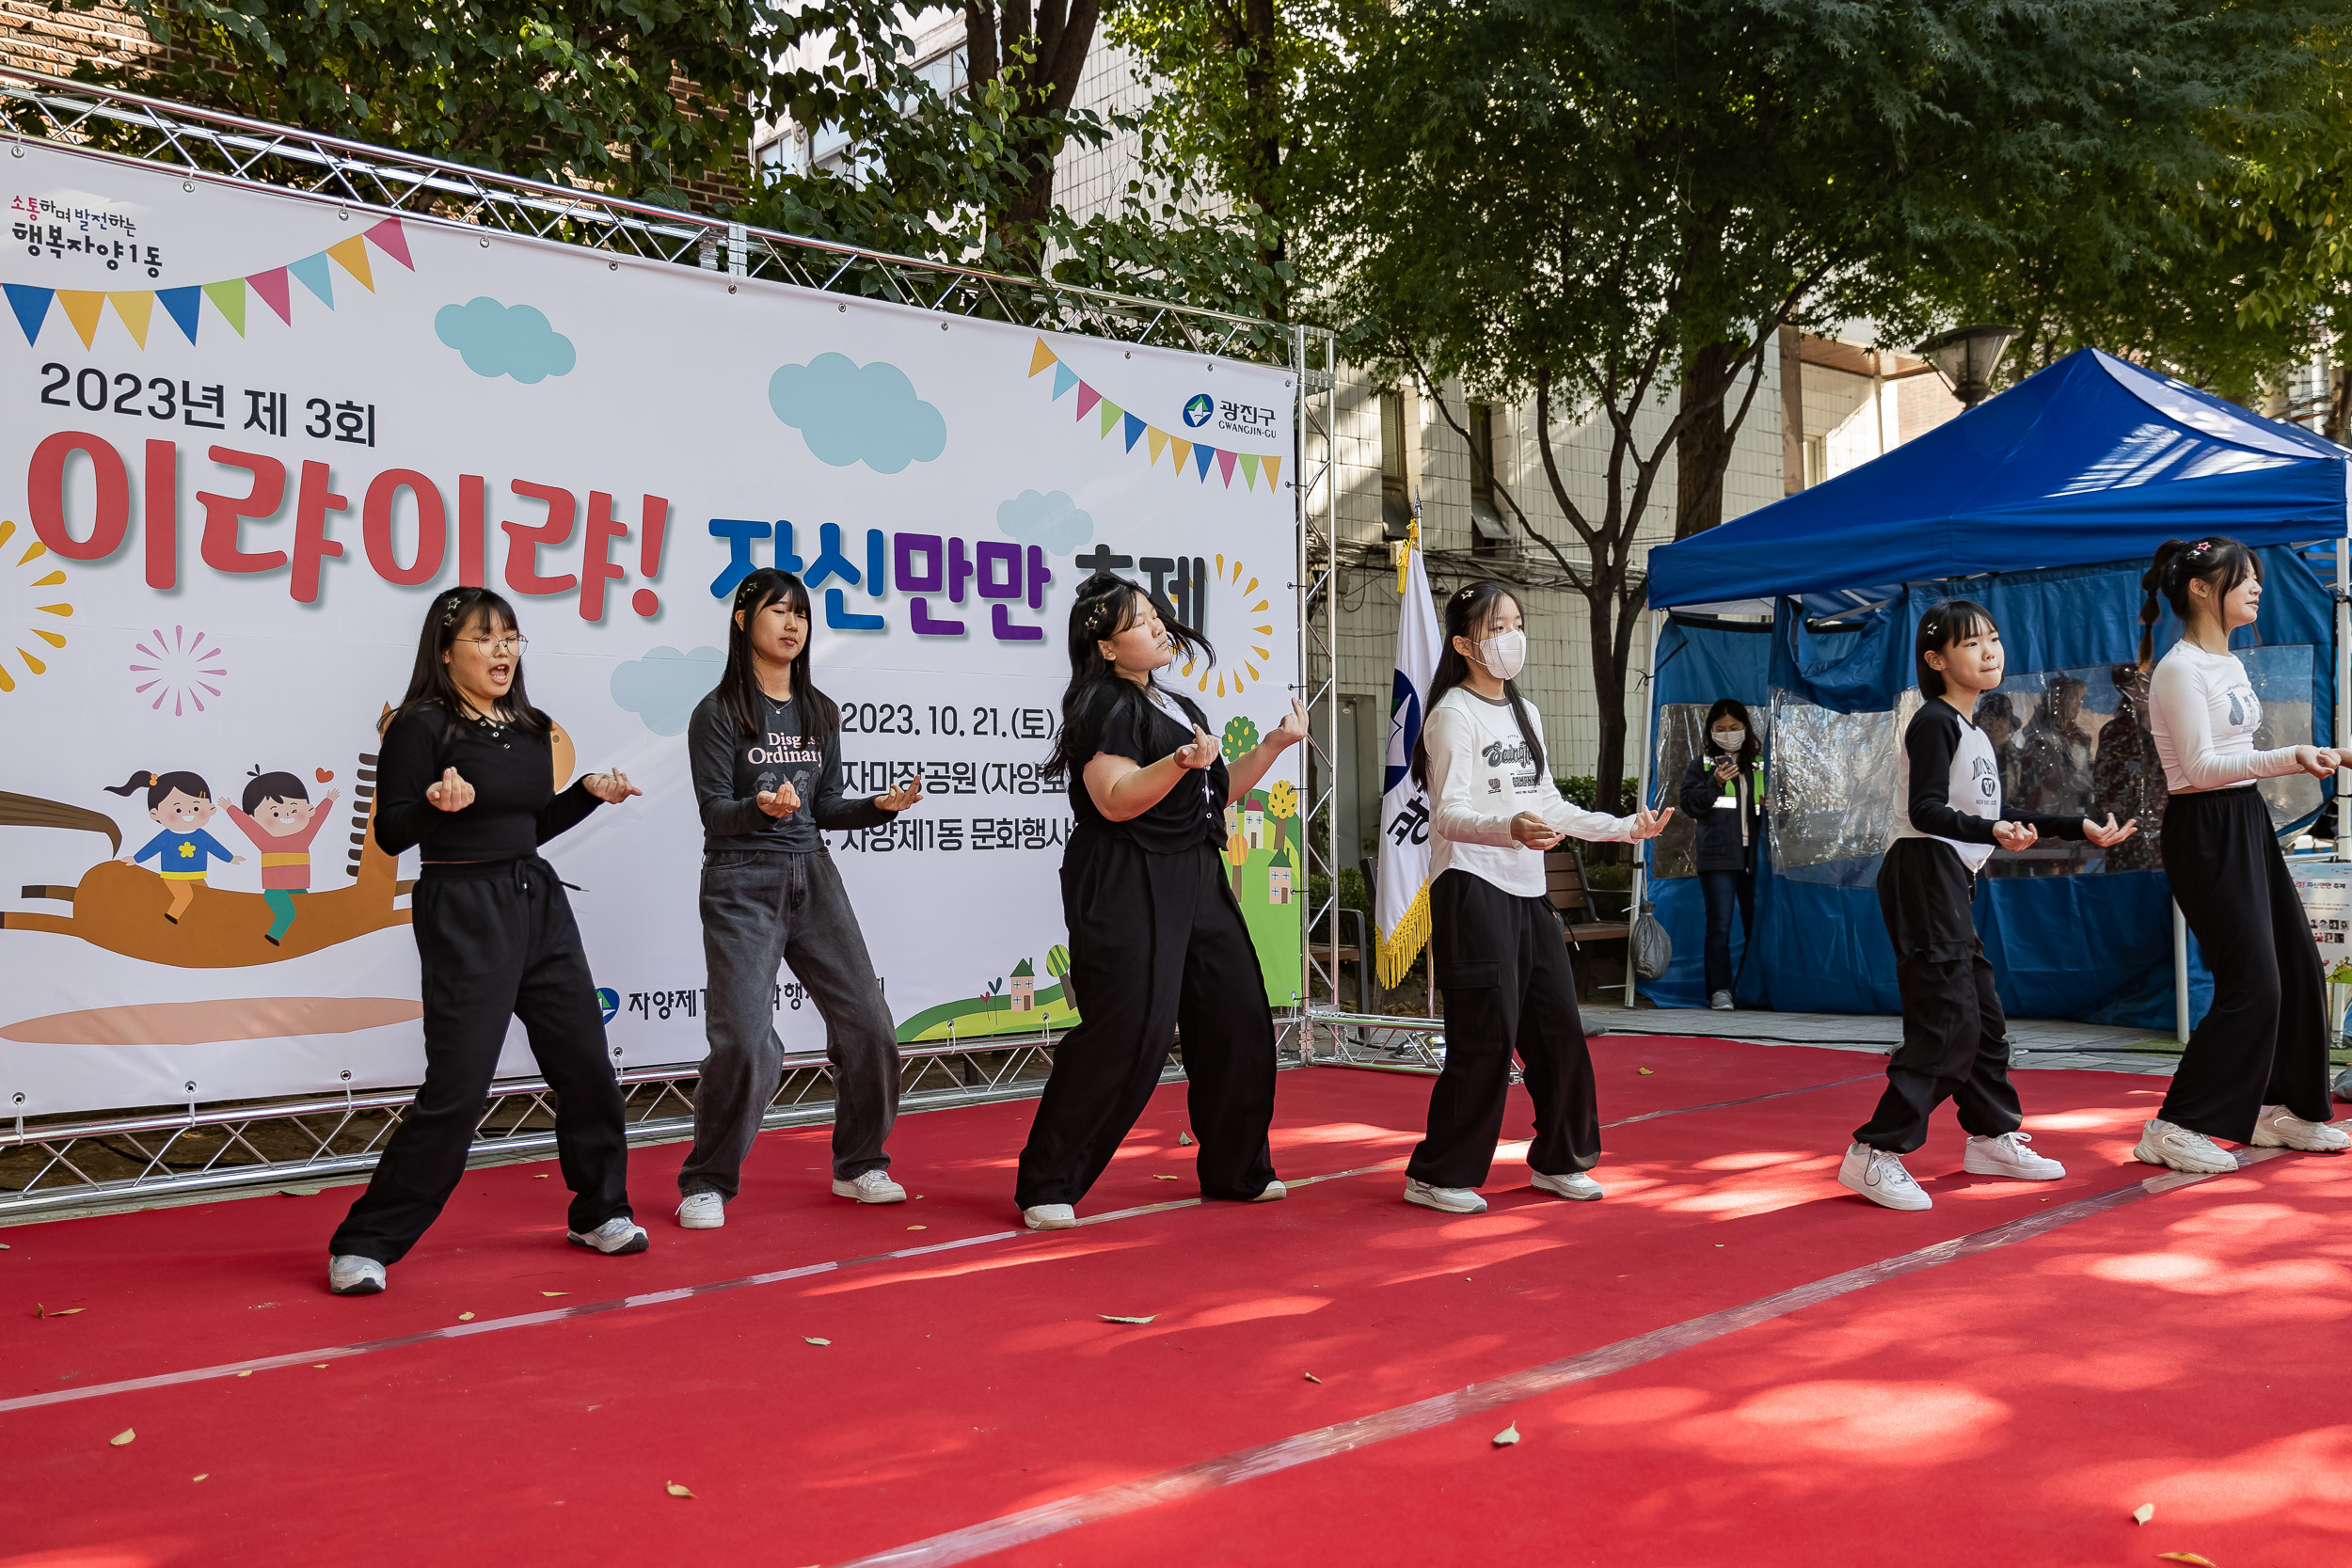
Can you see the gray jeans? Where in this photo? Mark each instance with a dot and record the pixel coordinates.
(760, 909)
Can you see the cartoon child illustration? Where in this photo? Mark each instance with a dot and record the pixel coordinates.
(281, 819)
(181, 803)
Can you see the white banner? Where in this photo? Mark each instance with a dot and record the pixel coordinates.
(1400, 903)
(250, 434)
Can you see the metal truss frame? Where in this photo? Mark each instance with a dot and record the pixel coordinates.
(97, 1162)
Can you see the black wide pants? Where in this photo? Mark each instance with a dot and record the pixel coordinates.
(1503, 966)
(496, 940)
(1955, 1036)
(2264, 1039)
(1156, 944)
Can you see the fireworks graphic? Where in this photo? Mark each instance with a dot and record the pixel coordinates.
(28, 584)
(1231, 576)
(179, 675)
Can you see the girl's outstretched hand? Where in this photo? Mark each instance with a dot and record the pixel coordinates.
(1648, 824)
(2014, 835)
(903, 796)
(612, 788)
(2107, 835)
(1292, 730)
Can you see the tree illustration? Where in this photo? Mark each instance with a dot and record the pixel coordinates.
(1240, 734)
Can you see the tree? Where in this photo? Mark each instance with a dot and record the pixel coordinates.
(1598, 202)
(637, 96)
(1034, 53)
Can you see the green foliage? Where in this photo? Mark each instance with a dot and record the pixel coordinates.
(1355, 893)
(1582, 790)
(1584, 199)
(589, 92)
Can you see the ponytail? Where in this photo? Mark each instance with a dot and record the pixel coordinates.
(160, 786)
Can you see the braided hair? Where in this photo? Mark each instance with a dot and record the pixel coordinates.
(2222, 564)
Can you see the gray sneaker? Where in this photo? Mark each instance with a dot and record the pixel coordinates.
(352, 1276)
(1575, 1184)
(615, 1237)
(1446, 1201)
(1720, 1001)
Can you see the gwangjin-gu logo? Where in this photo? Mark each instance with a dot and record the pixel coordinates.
(1199, 409)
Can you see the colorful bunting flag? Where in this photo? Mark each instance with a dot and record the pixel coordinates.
(1110, 417)
(84, 309)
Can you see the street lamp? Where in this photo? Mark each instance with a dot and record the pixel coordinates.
(1964, 357)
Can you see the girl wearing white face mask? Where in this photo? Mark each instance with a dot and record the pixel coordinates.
(1720, 790)
(1502, 958)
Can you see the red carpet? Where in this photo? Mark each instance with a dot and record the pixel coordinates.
(2183, 1350)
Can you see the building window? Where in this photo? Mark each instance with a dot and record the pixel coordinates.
(1396, 500)
(1816, 460)
(1489, 534)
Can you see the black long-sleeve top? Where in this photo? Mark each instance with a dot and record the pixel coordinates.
(731, 768)
(515, 805)
(1949, 782)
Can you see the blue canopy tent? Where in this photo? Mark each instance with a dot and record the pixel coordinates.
(2048, 500)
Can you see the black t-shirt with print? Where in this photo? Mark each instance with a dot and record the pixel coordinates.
(732, 768)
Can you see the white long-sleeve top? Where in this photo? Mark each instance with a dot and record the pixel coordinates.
(2203, 712)
(1481, 775)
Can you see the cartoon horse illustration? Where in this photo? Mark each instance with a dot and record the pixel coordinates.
(121, 908)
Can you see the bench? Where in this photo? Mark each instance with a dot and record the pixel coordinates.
(1571, 896)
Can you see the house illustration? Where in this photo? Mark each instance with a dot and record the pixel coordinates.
(1232, 820)
(1278, 883)
(1024, 996)
(1253, 823)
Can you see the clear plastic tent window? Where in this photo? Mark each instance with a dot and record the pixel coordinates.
(2071, 743)
(1680, 735)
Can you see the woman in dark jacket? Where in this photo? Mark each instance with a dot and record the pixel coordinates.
(1720, 794)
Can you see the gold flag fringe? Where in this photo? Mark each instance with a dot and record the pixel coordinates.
(1400, 948)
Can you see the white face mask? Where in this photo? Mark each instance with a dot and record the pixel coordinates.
(1729, 740)
(1503, 655)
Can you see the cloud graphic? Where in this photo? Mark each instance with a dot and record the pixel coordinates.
(505, 340)
(849, 413)
(1052, 521)
(664, 687)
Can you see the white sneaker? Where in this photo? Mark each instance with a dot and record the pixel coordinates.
(1050, 1216)
(615, 1237)
(1575, 1184)
(2165, 1143)
(871, 1186)
(352, 1276)
(1720, 1001)
(1273, 1191)
(703, 1211)
(1880, 1177)
(2280, 1128)
(1450, 1200)
(2008, 1155)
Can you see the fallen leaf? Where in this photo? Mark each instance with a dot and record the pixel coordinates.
(1311, 1377)
(120, 1438)
(2184, 1557)
(464, 1317)
(1184, 1140)
(322, 1366)
(4, 1246)
(1167, 1179)
(555, 1292)
(1507, 1436)
(206, 1474)
(248, 1373)
(1643, 1072)
(918, 1227)
(1110, 1319)
(811, 1338)
(298, 1192)
(675, 1489)
(2144, 1512)
(61, 1312)
(541, 1176)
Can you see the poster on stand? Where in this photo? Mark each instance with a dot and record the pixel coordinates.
(252, 433)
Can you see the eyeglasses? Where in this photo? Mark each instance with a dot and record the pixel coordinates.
(514, 643)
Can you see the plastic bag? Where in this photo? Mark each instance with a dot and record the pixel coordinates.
(1653, 950)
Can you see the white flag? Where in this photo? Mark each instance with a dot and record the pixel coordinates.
(1401, 904)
